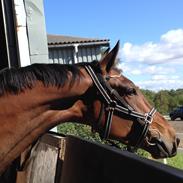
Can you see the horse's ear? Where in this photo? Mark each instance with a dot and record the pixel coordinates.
(106, 51)
(108, 60)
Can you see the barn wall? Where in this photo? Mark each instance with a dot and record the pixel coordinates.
(87, 54)
(36, 30)
(21, 30)
(62, 56)
(65, 55)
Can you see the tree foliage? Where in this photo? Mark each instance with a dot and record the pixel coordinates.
(164, 100)
(81, 130)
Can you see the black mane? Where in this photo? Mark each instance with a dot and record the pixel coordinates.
(16, 80)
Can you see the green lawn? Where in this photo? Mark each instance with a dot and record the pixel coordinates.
(176, 161)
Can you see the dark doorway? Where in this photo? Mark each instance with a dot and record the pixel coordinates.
(8, 45)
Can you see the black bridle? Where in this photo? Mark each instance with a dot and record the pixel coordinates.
(114, 102)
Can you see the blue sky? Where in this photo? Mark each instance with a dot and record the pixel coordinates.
(150, 34)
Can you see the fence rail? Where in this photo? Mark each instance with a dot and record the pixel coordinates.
(71, 159)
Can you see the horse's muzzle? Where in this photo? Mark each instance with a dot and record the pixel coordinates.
(163, 149)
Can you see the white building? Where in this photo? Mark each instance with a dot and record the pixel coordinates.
(69, 50)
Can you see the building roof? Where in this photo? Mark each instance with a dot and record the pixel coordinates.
(62, 40)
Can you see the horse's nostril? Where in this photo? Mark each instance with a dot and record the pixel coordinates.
(175, 145)
(178, 141)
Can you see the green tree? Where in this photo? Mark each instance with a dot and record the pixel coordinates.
(161, 101)
(149, 95)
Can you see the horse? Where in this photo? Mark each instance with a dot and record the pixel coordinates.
(36, 98)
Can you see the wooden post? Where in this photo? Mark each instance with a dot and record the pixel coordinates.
(45, 162)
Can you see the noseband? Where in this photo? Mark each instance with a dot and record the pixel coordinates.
(114, 102)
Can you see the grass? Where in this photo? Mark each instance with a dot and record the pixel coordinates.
(176, 161)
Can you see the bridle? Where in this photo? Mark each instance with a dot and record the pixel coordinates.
(114, 102)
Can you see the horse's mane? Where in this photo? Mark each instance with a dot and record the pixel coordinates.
(16, 80)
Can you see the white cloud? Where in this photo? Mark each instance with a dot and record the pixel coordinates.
(139, 69)
(168, 49)
(164, 77)
(154, 69)
(157, 65)
(136, 72)
(157, 85)
(173, 36)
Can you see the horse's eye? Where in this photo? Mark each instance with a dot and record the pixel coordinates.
(131, 91)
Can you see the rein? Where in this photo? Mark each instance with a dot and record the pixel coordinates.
(114, 102)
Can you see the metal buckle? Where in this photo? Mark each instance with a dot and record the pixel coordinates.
(148, 118)
(111, 106)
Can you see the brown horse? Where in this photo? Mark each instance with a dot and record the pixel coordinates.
(38, 97)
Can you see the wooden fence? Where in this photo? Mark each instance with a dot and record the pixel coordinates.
(56, 159)
(44, 164)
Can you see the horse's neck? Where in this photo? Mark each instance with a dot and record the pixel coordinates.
(26, 116)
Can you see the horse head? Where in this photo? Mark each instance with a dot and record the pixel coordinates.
(121, 112)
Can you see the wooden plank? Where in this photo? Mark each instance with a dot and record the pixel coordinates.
(45, 162)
